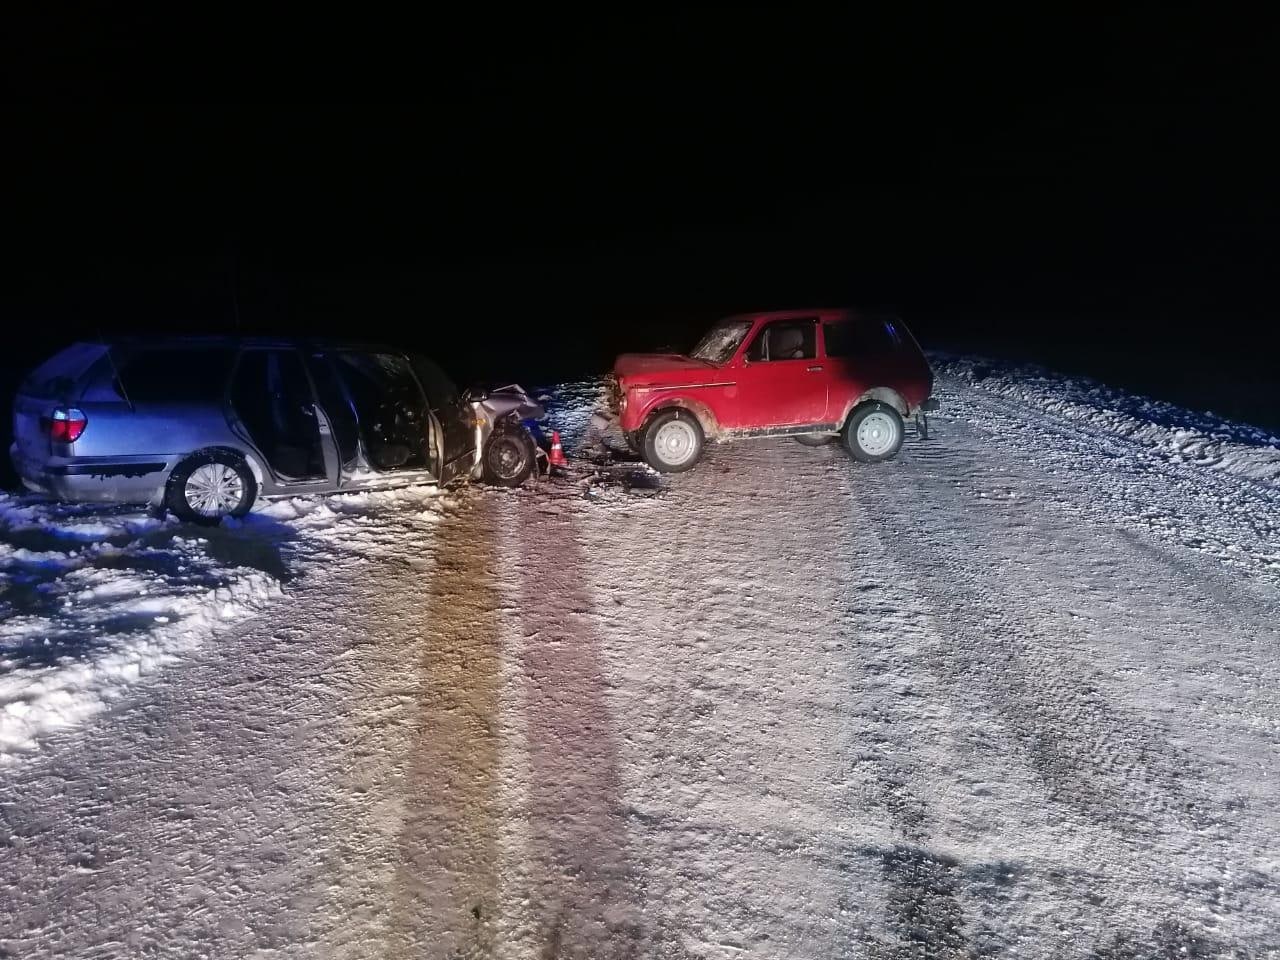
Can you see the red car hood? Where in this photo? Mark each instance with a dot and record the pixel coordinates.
(653, 366)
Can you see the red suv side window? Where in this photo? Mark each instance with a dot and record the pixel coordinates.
(862, 337)
(784, 340)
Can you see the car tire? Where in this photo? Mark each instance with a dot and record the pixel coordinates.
(814, 439)
(873, 433)
(207, 486)
(509, 458)
(672, 441)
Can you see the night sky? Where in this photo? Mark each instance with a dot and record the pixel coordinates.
(527, 197)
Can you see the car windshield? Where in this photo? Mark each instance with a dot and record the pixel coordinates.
(721, 341)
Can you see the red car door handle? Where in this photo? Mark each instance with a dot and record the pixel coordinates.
(814, 369)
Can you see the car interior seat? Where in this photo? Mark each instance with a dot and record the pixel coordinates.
(786, 343)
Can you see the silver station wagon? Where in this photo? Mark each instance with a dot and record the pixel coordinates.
(206, 426)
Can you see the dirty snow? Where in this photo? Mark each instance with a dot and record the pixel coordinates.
(1013, 694)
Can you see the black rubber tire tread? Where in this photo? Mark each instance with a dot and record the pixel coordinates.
(530, 458)
(175, 487)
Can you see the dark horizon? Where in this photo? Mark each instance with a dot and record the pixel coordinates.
(527, 198)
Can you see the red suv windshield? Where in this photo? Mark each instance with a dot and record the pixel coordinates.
(721, 341)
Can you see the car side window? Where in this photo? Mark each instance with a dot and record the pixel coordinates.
(863, 337)
(784, 340)
(839, 339)
(175, 376)
(441, 393)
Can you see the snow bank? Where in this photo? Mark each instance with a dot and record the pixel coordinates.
(92, 598)
(1170, 431)
(35, 700)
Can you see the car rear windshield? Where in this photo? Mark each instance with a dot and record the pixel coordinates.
(61, 372)
(721, 341)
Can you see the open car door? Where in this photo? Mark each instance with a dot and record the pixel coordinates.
(381, 422)
(272, 404)
(458, 435)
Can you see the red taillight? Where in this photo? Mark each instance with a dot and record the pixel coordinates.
(66, 424)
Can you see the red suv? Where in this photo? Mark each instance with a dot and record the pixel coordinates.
(811, 374)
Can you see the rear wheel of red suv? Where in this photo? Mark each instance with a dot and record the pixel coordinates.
(671, 441)
(873, 433)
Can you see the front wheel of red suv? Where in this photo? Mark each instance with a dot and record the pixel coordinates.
(672, 441)
(873, 433)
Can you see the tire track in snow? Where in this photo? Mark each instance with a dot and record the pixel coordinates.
(928, 887)
(1110, 764)
(723, 637)
(885, 636)
(1234, 519)
(861, 614)
(585, 894)
(445, 889)
(1118, 766)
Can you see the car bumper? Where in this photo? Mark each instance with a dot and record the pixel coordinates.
(109, 480)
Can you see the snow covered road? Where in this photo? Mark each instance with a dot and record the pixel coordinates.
(1013, 694)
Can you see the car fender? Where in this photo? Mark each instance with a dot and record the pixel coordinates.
(246, 455)
(878, 395)
(259, 475)
(701, 412)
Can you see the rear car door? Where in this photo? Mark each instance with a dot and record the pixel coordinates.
(337, 409)
(781, 381)
(272, 404)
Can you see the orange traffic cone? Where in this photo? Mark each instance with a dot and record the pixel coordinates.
(556, 458)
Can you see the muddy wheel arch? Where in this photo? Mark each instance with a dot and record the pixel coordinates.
(701, 412)
(881, 395)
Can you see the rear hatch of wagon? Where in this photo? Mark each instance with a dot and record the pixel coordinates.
(58, 381)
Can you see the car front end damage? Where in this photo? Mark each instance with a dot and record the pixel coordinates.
(614, 397)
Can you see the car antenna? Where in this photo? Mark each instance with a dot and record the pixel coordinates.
(115, 373)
